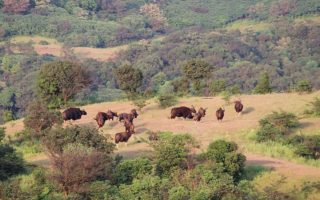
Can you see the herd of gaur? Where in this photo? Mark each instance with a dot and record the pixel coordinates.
(127, 118)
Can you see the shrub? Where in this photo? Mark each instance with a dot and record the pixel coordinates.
(315, 107)
(276, 126)
(56, 139)
(263, 85)
(172, 153)
(309, 147)
(77, 167)
(128, 170)
(43, 42)
(178, 193)
(11, 162)
(217, 87)
(224, 154)
(167, 100)
(304, 86)
(40, 118)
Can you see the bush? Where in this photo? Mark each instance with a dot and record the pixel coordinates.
(40, 118)
(309, 147)
(56, 139)
(43, 42)
(167, 100)
(304, 86)
(263, 86)
(315, 107)
(128, 170)
(276, 126)
(11, 162)
(217, 87)
(172, 153)
(224, 154)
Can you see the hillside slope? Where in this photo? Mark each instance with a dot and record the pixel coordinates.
(233, 127)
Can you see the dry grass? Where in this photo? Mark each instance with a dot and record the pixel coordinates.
(100, 54)
(155, 119)
(53, 47)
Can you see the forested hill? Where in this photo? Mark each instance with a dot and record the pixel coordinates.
(237, 39)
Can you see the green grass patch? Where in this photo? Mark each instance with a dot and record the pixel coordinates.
(28, 148)
(245, 25)
(272, 149)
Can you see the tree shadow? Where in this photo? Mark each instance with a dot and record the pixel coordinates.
(252, 171)
(305, 124)
(248, 110)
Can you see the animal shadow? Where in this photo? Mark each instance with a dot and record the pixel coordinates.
(248, 110)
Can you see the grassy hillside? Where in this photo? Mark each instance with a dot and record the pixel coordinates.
(234, 127)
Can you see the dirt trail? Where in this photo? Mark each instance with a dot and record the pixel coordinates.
(154, 119)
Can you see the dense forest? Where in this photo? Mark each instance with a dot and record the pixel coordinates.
(162, 36)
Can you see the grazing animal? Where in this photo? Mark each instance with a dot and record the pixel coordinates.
(122, 137)
(133, 114)
(220, 114)
(129, 126)
(238, 106)
(100, 118)
(111, 115)
(73, 113)
(202, 111)
(182, 111)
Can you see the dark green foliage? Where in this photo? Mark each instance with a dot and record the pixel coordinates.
(56, 139)
(181, 86)
(196, 69)
(172, 152)
(147, 187)
(217, 150)
(276, 126)
(128, 170)
(314, 107)
(307, 146)
(167, 100)
(128, 78)
(40, 118)
(33, 185)
(60, 81)
(304, 86)
(217, 87)
(269, 132)
(224, 154)
(11, 162)
(263, 86)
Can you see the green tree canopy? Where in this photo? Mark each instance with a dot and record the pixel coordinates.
(263, 86)
(128, 78)
(60, 81)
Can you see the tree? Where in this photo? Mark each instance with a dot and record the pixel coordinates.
(8, 104)
(128, 170)
(40, 118)
(128, 78)
(224, 153)
(155, 15)
(172, 152)
(196, 70)
(17, 6)
(217, 86)
(11, 162)
(263, 85)
(60, 81)
(77, 167)
(304, 86)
